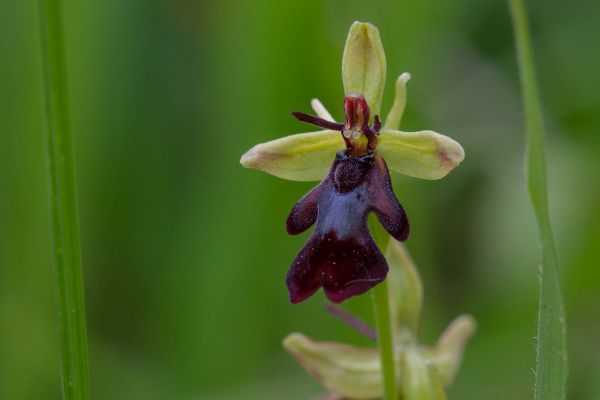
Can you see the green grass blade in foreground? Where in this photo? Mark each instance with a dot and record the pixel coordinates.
(551, 364)
(63, 206)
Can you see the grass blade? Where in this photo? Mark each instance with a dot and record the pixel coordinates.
(63, 206)
(551, 362)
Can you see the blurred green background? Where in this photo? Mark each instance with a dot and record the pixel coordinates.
(185, 252)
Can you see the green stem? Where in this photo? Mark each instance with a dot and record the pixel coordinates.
(383, 322)
(385, 339)
(551, 363)
(63, 207)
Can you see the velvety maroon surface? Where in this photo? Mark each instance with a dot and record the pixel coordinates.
(341, 255)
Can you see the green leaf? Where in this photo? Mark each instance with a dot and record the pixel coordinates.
(363, 64)
(423, 154)
(63, 206)
(551, 363)
(300, 157)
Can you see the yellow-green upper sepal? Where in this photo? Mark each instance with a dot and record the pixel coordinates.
(422, 154)
(300, 157)
(363, 64)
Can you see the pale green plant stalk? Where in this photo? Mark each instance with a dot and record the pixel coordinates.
(383, 321)
(63, 206)
(385, 341)
(551, 363)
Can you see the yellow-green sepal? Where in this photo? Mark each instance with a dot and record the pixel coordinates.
(363, 64)
(422, 154)
(300, 157)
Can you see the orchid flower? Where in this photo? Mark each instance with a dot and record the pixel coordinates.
(351, 159)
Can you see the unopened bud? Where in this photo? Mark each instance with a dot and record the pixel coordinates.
(353, 372)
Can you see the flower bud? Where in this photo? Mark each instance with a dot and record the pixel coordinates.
(447, 354)
(405, 288)
(420, 378)
(353, 372)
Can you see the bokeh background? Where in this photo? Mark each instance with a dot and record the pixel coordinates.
(185, 252)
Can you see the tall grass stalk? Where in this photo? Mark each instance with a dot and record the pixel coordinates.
(551, 363)
(63, 206)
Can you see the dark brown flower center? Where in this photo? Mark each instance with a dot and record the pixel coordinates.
(350, 171)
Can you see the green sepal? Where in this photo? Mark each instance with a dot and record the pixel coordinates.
(422, 154)
(300, 157)
(363, 65)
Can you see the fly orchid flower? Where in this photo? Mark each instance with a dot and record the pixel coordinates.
(340, 255)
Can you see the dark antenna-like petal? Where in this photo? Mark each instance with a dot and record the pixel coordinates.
(352, 320)
(316, 121)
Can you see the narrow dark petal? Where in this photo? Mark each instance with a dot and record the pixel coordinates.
(304, 213)
(384, 203)
(316, 121)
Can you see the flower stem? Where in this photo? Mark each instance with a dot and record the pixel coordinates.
(384, 339)
(551, 363)
(383, 322)
(63, 206)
